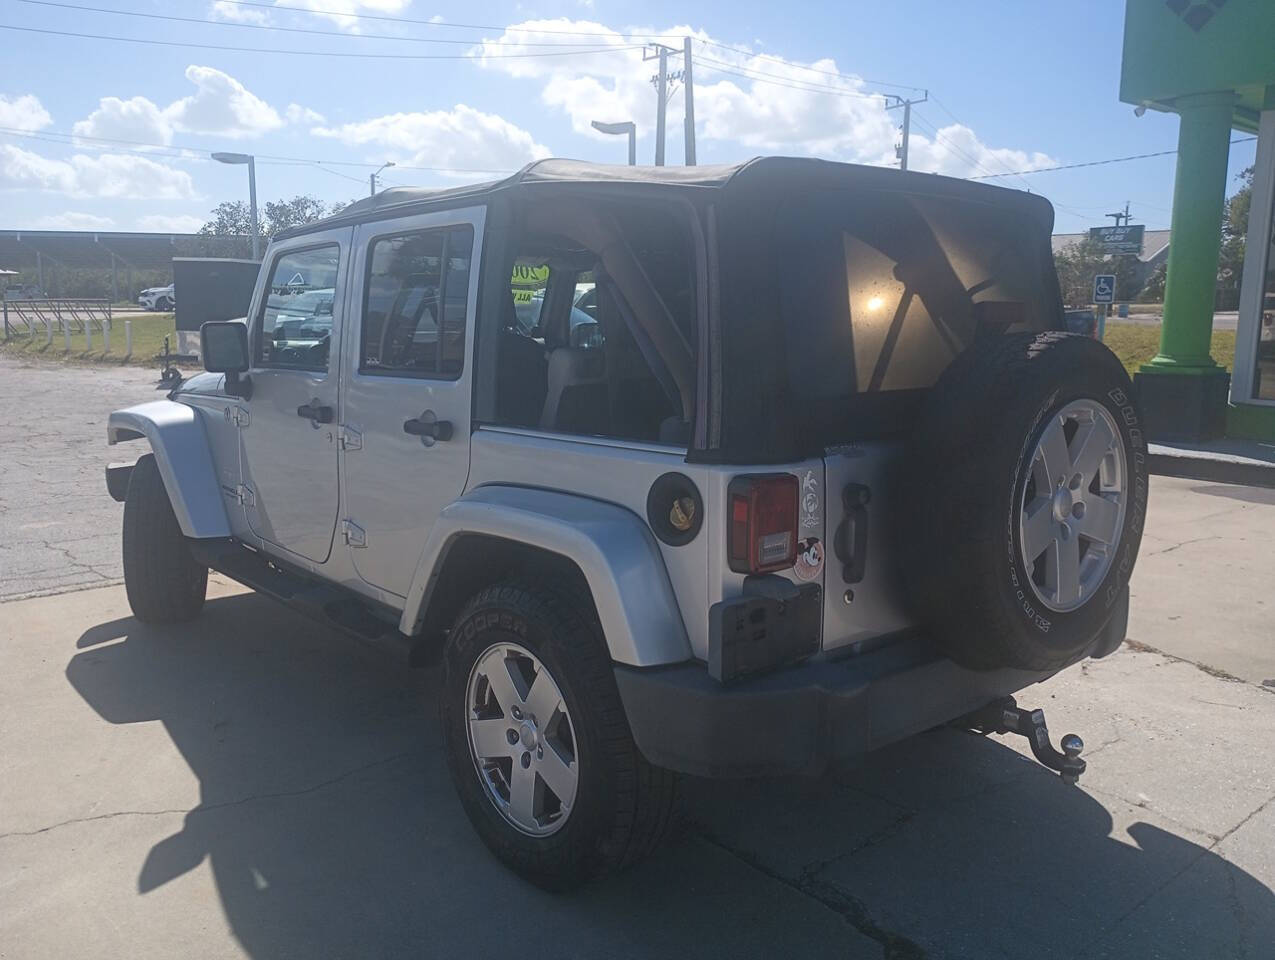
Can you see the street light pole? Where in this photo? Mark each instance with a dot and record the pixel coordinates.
(252, 207)
(244, 158)
(627, 127)
(372, 179)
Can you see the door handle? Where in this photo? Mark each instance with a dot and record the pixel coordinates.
(428, 427)
(315, 412)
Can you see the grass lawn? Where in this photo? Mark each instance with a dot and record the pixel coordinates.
(149, 330)
(1135, 344)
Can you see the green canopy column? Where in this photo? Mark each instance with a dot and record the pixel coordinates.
(1199, 193)
(1190, 403)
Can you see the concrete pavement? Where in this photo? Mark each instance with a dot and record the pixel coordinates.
(251, 785)
(58, 528)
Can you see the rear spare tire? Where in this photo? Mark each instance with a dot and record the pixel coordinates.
(1027, 492)
(163, 581)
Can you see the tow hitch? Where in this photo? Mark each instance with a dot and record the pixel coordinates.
(1005, 716)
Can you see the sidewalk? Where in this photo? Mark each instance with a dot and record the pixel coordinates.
(1249, 462)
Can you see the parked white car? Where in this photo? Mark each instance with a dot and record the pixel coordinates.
(162, 299)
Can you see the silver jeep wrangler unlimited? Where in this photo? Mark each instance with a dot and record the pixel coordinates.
(724, 471)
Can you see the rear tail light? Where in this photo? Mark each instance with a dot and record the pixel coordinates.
(762, 529)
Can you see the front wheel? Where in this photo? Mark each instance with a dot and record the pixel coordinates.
(163, 581)
(163, 305)
(537, 741)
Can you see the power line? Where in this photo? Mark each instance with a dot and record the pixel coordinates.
(314, 53)
(191, 153)
(1097, 163)
(306, 30)
(557, 32)
(345, 14)
(721, 66)
(1003, 165)
(939, 138)
(798, 66)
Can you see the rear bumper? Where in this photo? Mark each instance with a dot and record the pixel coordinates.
(798, 720)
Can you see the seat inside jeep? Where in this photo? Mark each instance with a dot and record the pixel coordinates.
(598, 338)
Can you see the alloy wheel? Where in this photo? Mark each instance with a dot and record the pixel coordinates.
(1073, 505)
(521, 739)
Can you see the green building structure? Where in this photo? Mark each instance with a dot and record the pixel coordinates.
(1212, 62)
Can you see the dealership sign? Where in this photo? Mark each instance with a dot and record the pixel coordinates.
(1126, 239)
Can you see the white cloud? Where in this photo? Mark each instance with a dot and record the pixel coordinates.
(222, 106)
(343, 12)
(137, 120)
(957, 152)
(238, 13)
(24, 113)
(746, 101)
(299, 114)
(161, 223)
(459, 139)
(102, 175)
(74, 220)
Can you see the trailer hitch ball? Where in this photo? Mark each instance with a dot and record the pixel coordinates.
(1071, 747)
(1005, 716)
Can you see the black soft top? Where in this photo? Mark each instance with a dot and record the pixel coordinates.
(759, 175)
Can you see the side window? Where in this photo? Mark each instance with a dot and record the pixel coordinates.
(296, 320)
(414, 304)
(585, 330)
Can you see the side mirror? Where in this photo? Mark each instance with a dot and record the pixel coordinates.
(224, 346)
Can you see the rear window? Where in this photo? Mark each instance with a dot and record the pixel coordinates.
(839, 308)
(881, 291)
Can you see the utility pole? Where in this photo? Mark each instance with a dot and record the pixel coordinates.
(902, 149)
(1118, 216)
(688, 97)
(662, 80)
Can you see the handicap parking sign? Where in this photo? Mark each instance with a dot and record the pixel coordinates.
(1104, 288)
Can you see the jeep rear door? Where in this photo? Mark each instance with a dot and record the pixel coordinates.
(289, 459)
(406, 397)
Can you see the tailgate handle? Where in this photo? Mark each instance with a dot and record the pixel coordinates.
(850, 542)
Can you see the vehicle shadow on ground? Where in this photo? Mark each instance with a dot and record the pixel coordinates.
(331, 828)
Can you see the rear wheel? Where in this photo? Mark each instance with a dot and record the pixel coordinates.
(537, 741)
(1028, 490)
(163, 581)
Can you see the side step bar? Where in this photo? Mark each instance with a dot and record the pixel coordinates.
(323, 602)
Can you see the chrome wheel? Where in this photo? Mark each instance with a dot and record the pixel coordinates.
(521, 739)
(1073, 505)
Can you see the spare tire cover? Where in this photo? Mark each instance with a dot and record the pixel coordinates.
(1026, 493)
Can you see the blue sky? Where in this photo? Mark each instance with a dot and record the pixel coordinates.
(110, 135)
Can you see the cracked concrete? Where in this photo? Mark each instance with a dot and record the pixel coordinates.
(58, 527)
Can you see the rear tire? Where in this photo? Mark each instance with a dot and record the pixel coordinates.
(1027, 492)
(163, 581)
(620, 806)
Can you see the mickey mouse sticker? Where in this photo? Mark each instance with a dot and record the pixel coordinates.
(809, 559)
